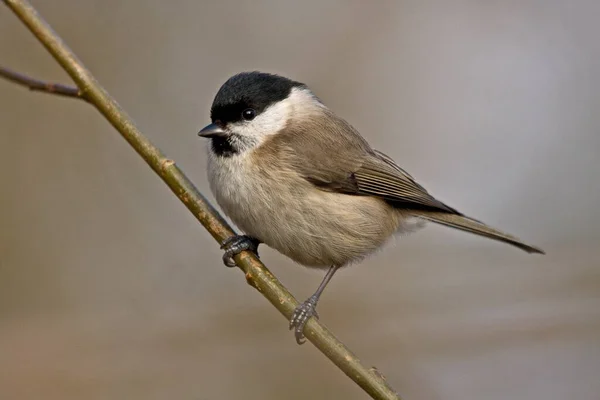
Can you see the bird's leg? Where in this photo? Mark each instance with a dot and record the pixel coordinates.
(308, 309)
(235, 245)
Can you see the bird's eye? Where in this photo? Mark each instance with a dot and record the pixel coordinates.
(248, 114)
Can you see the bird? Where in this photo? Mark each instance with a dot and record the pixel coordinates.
(293, 175)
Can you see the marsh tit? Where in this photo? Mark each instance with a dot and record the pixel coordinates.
(293, 175)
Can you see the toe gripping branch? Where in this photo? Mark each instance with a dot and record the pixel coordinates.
(301, 315)
(235, 245)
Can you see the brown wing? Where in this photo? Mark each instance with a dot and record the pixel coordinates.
(380, 176)
(342, 161)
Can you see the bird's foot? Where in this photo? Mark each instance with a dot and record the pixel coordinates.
(235, 245)
(301, 315)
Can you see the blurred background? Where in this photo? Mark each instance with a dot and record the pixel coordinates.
(110, 289)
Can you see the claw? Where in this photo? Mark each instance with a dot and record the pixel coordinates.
(235, 245)
(301, 315)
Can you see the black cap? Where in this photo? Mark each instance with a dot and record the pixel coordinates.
(256, 90)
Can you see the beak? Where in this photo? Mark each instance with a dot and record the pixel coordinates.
(212, 130)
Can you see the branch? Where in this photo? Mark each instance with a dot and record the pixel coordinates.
(41, 86)
(257, 275)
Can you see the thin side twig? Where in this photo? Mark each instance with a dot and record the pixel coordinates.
(257, 274)
(41, 86)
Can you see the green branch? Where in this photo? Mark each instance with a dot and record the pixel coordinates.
(257, 275)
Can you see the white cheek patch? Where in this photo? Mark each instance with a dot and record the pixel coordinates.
(269, 122)
(275, 117)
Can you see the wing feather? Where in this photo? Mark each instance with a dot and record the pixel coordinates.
(339, 160)
(380, 176)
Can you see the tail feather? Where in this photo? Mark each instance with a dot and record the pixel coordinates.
(473, 226)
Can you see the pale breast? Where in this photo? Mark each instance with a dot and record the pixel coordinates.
(284, 211)
(238, 192)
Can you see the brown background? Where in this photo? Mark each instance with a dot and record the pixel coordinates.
(109, 289)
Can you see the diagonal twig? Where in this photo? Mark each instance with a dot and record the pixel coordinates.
(257, 274)
(41, 86)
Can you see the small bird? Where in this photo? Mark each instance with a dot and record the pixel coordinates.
(293, 175)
